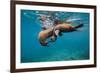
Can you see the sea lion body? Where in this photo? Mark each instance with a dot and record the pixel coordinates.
(44, 34)
(64, 27)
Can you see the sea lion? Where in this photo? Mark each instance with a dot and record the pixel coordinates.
(64, 27)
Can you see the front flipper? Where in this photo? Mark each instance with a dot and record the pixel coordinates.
(44, 43)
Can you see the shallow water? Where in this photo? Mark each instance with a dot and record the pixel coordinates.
(69, 46)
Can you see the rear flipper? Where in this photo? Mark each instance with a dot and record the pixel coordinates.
(74, 28)
(79, 26)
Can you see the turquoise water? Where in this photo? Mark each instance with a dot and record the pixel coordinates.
(69, 46)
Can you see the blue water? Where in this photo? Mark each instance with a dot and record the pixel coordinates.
(69, 46)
